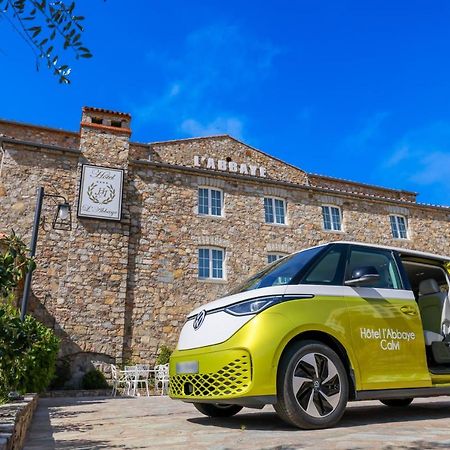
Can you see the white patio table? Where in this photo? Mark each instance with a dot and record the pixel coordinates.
(138, 376)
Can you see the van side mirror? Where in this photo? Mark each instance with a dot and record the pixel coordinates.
(363, 276)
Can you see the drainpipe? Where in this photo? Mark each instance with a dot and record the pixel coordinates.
(2, 159)
(3, 154)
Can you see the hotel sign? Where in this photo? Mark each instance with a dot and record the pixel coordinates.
(100, 194)
(229, 166)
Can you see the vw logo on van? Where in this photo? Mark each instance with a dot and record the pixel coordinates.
(199, 319)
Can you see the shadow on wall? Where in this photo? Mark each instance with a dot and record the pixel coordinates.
(73, 363)
(135, 202)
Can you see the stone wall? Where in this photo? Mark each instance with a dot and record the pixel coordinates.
(80, 284)
(15, 419)
(41, 135)
(117, 291)
(227, 149)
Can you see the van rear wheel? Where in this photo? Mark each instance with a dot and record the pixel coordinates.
(312, 386)
(397, 402)
(217, 409)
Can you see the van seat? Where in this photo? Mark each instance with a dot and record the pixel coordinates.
(431, 337)
(431, 302)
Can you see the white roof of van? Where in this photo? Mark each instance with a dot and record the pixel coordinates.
(403, 251)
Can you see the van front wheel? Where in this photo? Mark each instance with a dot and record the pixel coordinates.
(217, 409)
(312, 386)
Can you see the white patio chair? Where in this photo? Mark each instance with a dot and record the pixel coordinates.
(119, 379)
(141, 378)
(162, 378)
(131, 375)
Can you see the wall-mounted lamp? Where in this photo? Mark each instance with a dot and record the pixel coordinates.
(61, 221)
(63, 216)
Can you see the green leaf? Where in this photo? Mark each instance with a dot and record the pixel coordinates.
(35, 33)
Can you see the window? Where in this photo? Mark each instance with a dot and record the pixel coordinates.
(209, 202)
(274, 210)
(210, 263)
(399, 227)
(329, 269)
(272, 257)
(331, 218)
(281, 272)
(381, 260)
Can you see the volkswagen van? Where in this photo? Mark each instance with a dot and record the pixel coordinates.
(330, 324)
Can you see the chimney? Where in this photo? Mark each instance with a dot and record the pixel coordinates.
(105, 136)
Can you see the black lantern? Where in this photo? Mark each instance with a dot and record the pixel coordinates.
(63, 217)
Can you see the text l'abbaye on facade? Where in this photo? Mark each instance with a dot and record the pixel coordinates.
(229, 166)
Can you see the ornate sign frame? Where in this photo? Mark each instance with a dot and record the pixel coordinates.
(100, 192)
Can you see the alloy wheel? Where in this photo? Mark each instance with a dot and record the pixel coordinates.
(316, 384)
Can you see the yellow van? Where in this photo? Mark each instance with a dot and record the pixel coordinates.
(333, 323)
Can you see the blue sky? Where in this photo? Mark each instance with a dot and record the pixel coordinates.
(350, 89)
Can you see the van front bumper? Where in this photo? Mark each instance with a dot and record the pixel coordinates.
(221, 374)
(243, 366)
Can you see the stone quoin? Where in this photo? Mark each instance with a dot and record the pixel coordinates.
(197, 216)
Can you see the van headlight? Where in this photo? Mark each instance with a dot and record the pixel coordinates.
(253, 306)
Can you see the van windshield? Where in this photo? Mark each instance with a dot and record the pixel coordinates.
(279, 272)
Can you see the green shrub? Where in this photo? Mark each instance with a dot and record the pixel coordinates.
(28, 353)
(14, 263)
(164, 355)
(94, 379)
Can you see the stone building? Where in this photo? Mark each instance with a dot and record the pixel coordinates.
(197, 215)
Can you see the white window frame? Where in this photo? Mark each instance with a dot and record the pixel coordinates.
(272, 199)
(397, 227)
(333, 229)
(209, 189)
(210, 263)
(276, 254)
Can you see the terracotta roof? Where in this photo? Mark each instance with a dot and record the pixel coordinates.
(358, 183)
(42, 127)
(107, 111)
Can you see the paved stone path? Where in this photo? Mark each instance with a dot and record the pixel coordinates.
(161, 423)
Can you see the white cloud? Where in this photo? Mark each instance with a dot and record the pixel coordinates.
(220, 125)
(174, 90)
(421, 161)
(368, 131)
(399, 155)
(423, 155)
(433, 168)
(215, 64)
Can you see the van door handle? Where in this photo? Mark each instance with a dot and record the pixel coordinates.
(408, 310)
